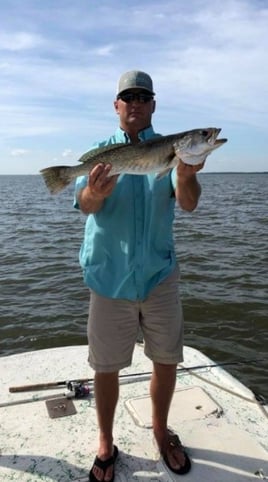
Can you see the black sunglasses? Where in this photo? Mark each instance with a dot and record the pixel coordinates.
(141, 97)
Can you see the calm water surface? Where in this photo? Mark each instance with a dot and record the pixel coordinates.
(221, 247)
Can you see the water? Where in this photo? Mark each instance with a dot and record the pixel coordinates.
(222, 249)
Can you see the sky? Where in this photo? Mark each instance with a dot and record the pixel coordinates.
(60, 61)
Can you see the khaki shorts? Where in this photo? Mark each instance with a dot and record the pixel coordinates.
(113, 326)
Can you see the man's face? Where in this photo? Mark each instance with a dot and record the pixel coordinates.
(135, 108)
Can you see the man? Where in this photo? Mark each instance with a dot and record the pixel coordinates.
(129, 264)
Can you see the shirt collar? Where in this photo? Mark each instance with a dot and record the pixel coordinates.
(122, 136)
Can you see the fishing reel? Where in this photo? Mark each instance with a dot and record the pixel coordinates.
(77, 389)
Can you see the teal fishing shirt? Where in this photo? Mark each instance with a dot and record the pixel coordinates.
(128, 245)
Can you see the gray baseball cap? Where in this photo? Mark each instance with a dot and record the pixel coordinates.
(135, 79)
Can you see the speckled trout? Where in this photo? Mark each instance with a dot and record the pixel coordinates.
(157, 155)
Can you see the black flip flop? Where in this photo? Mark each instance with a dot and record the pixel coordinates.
(174, 442)
(103, 465)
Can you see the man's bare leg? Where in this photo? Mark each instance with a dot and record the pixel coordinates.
(106, 387)
(162, 387)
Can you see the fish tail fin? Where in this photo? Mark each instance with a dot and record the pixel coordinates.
(56, 178)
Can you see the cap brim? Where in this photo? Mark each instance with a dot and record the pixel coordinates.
(135, 88)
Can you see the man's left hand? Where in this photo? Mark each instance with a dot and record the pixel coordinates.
(187, 170)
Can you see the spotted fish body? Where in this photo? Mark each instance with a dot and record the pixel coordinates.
(157, 155)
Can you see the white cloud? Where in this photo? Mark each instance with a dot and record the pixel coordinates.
(18, 152)
(16, 41)
(67, 153)
(105, 50)
(208, 60)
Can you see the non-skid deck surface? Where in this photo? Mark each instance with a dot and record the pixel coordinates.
(224, 429)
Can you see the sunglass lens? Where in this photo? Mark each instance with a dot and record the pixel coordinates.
(142, 98)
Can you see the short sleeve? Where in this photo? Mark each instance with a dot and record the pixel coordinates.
(80, 183)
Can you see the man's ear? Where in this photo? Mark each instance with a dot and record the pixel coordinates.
(153, 106)
(116, 106)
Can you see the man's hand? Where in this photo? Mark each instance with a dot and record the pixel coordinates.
(100, 183)
(99, 186)
(187, 170)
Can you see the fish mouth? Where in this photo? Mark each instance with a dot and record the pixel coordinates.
(218, 142)
(211, 137)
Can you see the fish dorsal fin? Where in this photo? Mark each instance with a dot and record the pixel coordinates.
(101, 150)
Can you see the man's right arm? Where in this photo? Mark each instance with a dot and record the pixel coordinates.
(100, 185)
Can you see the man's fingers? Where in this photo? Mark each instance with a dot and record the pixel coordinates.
(100, 183)
(95, 172)
(98, 175)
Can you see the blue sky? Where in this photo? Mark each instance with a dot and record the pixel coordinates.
(60, 61)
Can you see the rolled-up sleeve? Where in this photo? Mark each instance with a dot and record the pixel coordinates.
(81, 182)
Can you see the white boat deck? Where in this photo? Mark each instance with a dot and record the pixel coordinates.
(218, 419)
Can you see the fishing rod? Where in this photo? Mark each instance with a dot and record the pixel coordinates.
(75, 391)
(130, 376)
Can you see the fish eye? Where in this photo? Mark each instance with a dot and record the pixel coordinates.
(205, 133)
